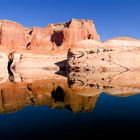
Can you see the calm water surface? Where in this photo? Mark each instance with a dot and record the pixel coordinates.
(64, 108)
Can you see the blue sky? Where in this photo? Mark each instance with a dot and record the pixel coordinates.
(112, 17)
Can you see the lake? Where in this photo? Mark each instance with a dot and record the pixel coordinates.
(80, 105)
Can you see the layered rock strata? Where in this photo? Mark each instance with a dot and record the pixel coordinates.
(15, 36)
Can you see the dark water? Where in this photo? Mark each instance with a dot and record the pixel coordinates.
(111, 116)
(55, 108)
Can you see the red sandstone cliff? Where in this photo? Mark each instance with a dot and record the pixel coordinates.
(15, 36)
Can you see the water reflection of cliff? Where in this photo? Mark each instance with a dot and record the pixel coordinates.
(53, 92)
(78, 92)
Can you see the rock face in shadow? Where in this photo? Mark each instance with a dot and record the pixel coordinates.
(15, 36)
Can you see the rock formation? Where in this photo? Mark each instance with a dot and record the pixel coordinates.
(122, 42)
(42, 47)
(53, 92)
(91, 55)
(112, 83)
(64, 65)
(12, 34)
(62, 34)
(15, 36)
(3, 68)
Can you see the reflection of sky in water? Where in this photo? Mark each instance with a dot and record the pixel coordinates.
(111, 114)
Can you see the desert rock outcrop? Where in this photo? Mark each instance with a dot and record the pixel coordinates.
(91, 55)
(64, 65)
(15, 36)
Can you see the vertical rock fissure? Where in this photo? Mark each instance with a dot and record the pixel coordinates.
(31, 94)
(10, 61)
(2, 100)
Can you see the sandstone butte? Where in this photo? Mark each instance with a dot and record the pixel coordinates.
(64, 65)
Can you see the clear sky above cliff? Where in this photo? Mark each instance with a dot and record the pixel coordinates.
(112, 17)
